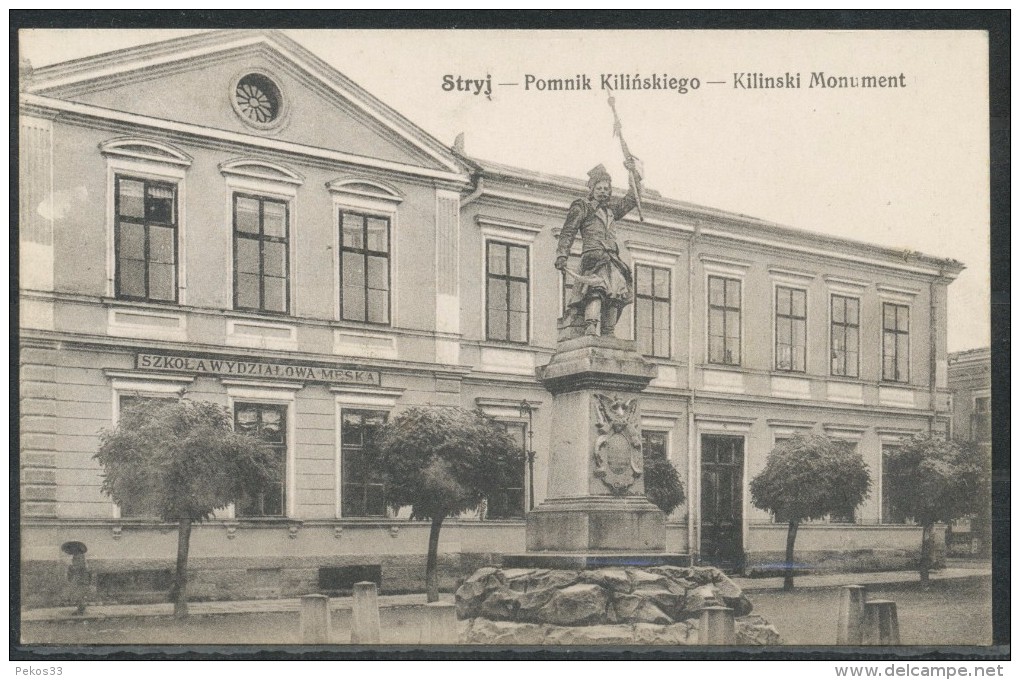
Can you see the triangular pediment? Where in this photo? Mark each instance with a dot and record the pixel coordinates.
(258, 83)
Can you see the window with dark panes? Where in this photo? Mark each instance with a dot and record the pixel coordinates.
(269, 423)
(145, 240)
(845, 335)
(364, 268)
(261, 264)
(506, 292)
(362, 492)
(139, 507)
(652, 310)
(791, 329)
(509, 503)
(889, 515)
(723, 321)
(895, 342)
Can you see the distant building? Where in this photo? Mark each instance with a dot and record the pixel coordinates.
(227, 215)
(970, 382)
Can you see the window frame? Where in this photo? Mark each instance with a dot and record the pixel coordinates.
(725, 308)
(279, 393)
(151, 161)
(523, 425)
(777, 288)
(261, 239)
(365, 253)
(508, 278)
(833, 324)
(340, 483)
(145, 223)
(285, 500)
(654, 299)
(896, 333)
(138, 385)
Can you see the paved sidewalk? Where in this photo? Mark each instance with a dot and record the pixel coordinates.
(749, 585)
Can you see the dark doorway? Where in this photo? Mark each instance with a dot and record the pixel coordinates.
(722, 501)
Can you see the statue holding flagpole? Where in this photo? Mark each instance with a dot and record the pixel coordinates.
(604, 285)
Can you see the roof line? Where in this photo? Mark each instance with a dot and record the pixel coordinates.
(554, 181)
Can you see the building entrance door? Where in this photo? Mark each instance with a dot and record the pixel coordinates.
(722, 500)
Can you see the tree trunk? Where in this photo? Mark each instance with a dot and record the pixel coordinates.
(180, 589)
(431, 575)
(791, 536)
(927, 550)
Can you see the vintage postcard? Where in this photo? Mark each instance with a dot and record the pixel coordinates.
(600, 339)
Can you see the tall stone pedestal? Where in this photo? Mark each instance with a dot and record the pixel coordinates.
(596, 571)
(596, 513)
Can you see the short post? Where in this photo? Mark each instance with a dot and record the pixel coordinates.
(365, 616)
(716, 626)
(850, 626)
(439, 626)
(881, 626)
(315, 626)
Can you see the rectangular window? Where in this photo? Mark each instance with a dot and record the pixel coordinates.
(845, 334)
(261, 254)
(791, 329)
(506, 292)
(364, 268)
(888, 515)
(362, 491)
(723, 321)
(269, 423)
(509, 504)
(895, 342)
(145, 240)
(652, 310)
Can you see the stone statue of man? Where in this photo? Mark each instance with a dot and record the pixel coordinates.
(604, 285)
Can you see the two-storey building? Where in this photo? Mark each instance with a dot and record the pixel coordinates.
(228, 217)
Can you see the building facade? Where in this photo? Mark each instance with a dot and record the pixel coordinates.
(288, 246)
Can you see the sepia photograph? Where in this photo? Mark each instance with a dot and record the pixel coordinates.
(503, 340)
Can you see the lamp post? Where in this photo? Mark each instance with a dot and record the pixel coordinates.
(529, 451)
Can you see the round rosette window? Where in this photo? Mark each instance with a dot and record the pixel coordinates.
(258, 100)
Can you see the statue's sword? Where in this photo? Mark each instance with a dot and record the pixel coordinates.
(618, 132)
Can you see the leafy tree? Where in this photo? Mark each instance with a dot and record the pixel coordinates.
(663, 486)
(443, 460)
(929, 480)
(181, 460)
(808, 477)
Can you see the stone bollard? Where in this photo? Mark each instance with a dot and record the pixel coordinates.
(850, 626)
(716, 626)
(365, 616)
(439, 626)
(315, 627)
(880, 624)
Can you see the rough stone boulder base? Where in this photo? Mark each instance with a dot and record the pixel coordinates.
(754, 630)
(699, 598)
(582, 604)
(636, 609)
(615, 580)
(486, 632)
